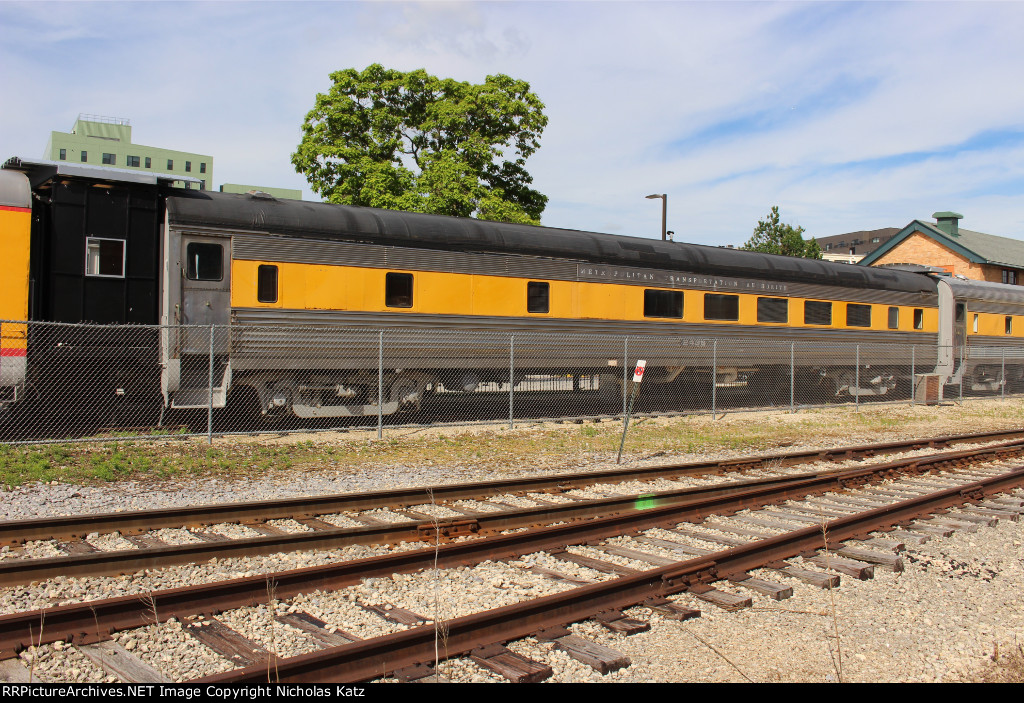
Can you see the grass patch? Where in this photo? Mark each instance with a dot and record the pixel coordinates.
(526, 449)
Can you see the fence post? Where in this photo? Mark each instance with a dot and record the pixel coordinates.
(792, 377)
(856, 377)
(1002, 374)
(913, 377)
(511, 380)
(209, 408)
(380, 385)
(625, 372)
(714, 385)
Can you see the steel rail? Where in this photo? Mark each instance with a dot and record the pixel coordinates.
(78, 526)
(20, 571)
(96, 620)
(369, 659)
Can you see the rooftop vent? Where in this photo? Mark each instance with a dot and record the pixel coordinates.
(948, 222)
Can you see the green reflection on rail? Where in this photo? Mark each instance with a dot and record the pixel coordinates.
(645, 502)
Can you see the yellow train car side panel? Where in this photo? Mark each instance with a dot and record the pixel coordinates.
(330, 287)
(608, 301)
(15, 229)
(499, 296)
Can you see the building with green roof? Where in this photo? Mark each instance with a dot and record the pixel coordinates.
(946, 246)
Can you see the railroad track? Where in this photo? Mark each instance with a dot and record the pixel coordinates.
(684, 537)
(409, 515)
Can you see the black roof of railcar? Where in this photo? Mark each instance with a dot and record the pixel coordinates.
(407, 229)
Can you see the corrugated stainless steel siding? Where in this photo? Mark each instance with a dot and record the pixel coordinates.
(330, 339)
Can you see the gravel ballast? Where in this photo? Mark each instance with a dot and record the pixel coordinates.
(956, 603)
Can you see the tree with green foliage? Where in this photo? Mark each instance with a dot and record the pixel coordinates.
(774, 237)
(410, 141)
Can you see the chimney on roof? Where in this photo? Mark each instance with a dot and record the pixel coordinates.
(948, 222)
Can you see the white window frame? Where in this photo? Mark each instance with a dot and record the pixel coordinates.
(124, 253)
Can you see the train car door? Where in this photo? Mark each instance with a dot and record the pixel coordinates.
(205, 290)
(959, 335)
(202, 264)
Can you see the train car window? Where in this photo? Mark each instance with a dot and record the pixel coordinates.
(538, 297)
(398, 290)
(817, 312)
(1009, 324)
(918, 319)
(858, 315)
(663, 303)
(104, 257)
(974, 325)
(721, 307)
(266, 283)
(204, 261)
(772, 310)
(960, 312)
(894, 318)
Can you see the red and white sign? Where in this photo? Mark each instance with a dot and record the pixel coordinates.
(638, 375)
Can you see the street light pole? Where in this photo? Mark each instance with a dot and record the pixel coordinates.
(664, 212)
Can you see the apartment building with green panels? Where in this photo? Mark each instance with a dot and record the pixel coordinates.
(107, 141)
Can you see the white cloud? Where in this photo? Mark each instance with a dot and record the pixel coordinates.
(848, 116)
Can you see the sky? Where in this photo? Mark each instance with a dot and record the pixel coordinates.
(848, 115)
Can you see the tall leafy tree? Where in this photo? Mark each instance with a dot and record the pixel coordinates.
(774, 237)
(411, 141)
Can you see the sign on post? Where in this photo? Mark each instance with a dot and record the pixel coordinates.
(638, 374)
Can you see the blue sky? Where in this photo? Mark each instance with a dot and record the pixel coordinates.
(846, 115)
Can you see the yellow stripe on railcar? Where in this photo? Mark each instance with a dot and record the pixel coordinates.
(333, 287)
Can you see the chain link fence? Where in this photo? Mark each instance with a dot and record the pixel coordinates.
(62, 382)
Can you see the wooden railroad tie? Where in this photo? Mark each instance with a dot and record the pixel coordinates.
(13, 671)
(265, 529)
(420, 673)
(948, 524)
(397, 615)
(615, 621)
(114, 658)
(209, 536)
(723, 599)
(857, 569)
(146, 541)
(889, 560)
(239, 650)
(597, 656)
(316, 629)
(605, 567)
(814, 578)
(514, 667)
(773, 590)
(76, 547)
(316, 524)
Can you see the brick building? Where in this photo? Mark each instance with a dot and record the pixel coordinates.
(851, 247)
(944, 245)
